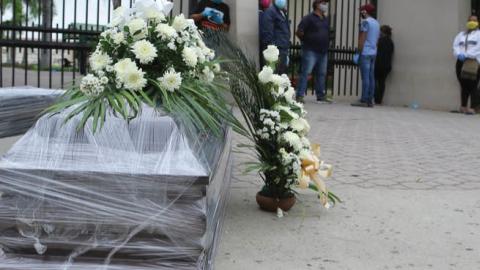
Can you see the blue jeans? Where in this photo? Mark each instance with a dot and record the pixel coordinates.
(311, 59)
(367, 70)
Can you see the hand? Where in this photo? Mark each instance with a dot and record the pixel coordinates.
(461, 57)
(356, 58)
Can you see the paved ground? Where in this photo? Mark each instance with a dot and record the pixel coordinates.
(410, 180)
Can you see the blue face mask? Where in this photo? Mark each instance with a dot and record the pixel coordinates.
(217, 1)
(281, 4)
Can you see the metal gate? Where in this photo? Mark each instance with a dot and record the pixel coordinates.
(343, 80)
(45, 43)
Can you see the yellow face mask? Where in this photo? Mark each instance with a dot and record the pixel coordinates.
(472, 25)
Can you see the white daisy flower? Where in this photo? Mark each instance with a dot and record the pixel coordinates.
(165, 31)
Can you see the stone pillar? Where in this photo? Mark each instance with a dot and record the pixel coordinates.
(244, 28)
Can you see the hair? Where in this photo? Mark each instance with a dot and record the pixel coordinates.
(387, 30)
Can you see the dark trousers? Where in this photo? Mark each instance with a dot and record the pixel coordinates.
(469, 88)
(282, 65)
(381, 75)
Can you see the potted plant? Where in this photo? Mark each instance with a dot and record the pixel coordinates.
(278, 129)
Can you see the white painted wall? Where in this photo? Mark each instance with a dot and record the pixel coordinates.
(424, 68)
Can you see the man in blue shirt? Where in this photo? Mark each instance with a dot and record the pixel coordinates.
(276, 31)
(367, 52)
(313, 31)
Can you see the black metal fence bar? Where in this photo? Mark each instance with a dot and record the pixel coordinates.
(48, 41)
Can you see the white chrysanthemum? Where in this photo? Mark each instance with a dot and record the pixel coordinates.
(180, 23)
(124, 66)
(171, 80)
(190, 56)
(216, 68)
(144, 51)
(165, 31)
(271, 54)
(208, 74)
(98, 61)
(266, 75)
(300, 125)
(91, 85)
(306, 142)
(293, 140)
(118, 38)
(134, 80)
(137, 28)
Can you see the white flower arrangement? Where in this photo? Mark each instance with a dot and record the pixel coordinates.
(281, 126)
(148, 57)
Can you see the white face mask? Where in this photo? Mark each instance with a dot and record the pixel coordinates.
(324, 8)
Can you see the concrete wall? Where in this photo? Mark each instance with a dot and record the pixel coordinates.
(244, 29)
(423, 70)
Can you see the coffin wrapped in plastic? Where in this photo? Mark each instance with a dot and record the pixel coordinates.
(21, 106)
(144, 195)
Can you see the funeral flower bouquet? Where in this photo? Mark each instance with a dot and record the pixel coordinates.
(286, 158)
(148, 57)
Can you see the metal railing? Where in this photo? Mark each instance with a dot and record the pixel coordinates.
(46, 43)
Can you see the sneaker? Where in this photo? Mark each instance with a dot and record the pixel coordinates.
(324, 100)
(360, 104)
(300, 99)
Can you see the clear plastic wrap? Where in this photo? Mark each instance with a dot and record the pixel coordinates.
(144, 195)
(21, 106)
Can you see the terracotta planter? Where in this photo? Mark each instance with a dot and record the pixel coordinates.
(271, 204)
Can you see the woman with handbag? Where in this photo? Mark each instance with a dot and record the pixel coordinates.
(466, 49)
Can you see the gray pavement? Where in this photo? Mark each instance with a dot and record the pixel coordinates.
(410, 181)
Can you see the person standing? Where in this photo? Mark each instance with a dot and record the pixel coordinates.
(367, 51)
(263, 5)
(313, 31)
(383, 62)
(276, 31)
(212, 14)
(466, 48)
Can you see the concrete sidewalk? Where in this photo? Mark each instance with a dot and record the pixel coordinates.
(410, 181)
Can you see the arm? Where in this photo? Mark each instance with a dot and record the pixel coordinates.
(267, 29)
(301, 29)
(457, 50)
(362, 37)
(197, 15)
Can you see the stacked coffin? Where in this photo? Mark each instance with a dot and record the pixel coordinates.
(21, 106)
(148, 195)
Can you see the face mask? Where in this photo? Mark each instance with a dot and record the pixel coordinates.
(472, 25)
(217, 1)
(324, 8)
(281, 4)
